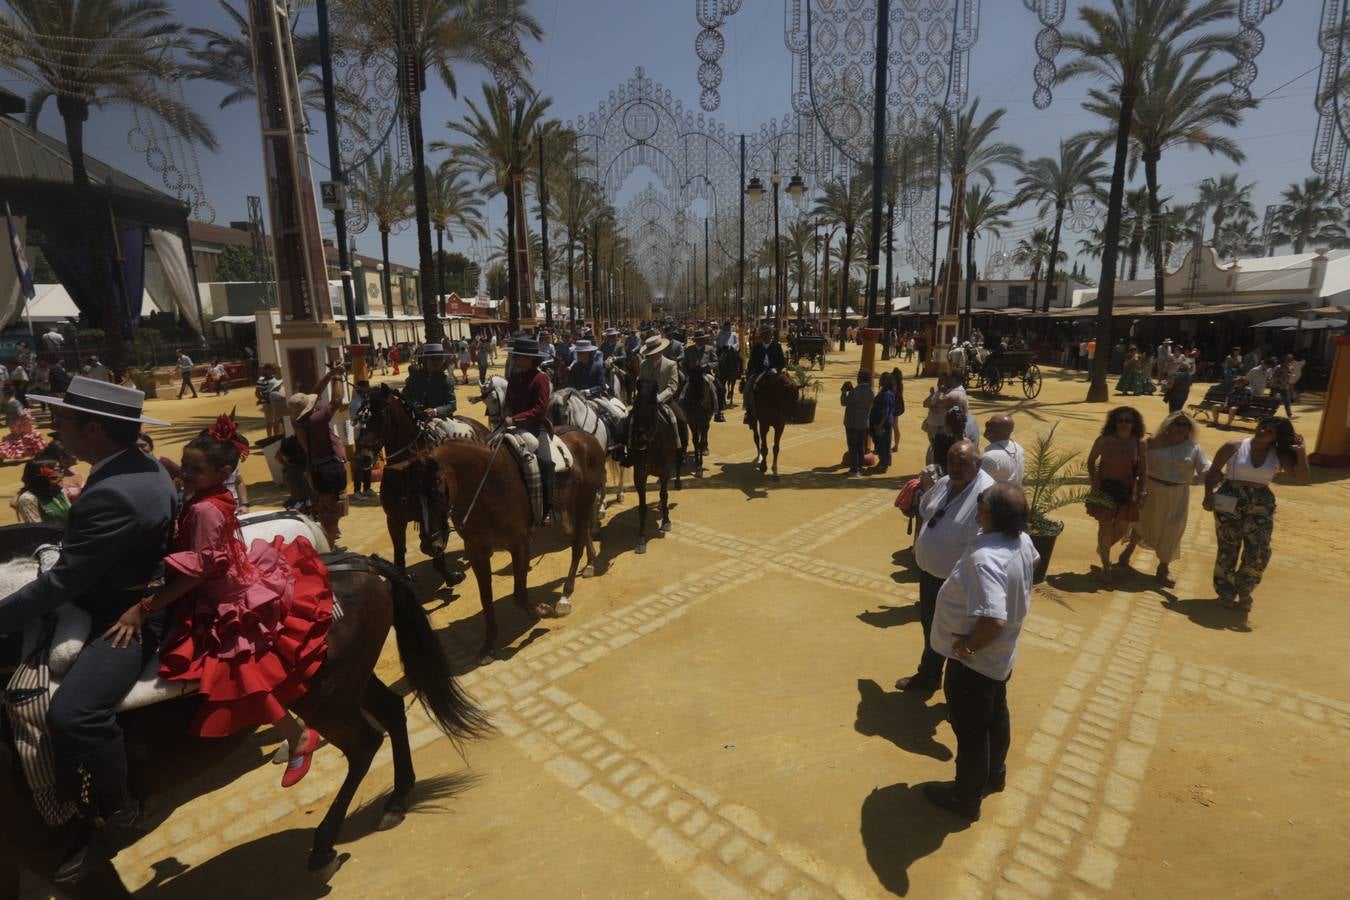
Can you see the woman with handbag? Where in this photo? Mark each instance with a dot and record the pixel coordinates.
(1118, 468)
(1237, 491)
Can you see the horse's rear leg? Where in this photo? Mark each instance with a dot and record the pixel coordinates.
(777, 439)
(386, 707)
(640, 485)
(358, 740)
(665, 504)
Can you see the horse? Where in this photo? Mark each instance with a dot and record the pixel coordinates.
(775, 398)
(631, 366)
(164, 756)
(698, 405)
(485, 494)
(730, 369)
(387, 422)
(654, 446)
(570, 407)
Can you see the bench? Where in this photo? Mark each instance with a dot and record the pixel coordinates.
(1216, 402)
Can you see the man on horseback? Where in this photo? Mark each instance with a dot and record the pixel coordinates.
(588, 373)
(726, 338)
(700, 364)
(527, 392)
(766, 358)
(430, 388)
(659, 370)
(610, 348)
(113, 546)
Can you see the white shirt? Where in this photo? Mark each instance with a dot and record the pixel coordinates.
(728, 339)
(1295, 371)
(1257, 380)
(942, 541)
(992, 579)
(1005, 461)
(184, 362)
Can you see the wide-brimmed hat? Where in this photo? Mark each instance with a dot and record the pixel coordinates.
(700, 335)
(611, 332)
(766, 327)
(584, 346)
(96, 397)
(526, 347)
(654, 345)
(301, 405)
(433, 350)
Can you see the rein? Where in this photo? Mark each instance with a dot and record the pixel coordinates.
(486, 471)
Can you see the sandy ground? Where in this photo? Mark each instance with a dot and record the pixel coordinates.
(717, 718)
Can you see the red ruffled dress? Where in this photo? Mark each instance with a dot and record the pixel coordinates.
(255, 630)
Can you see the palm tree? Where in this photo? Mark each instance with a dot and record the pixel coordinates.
(971, 150)
(451, 203)
(126, 51)
(501, 139)
(1239, 236)
(1053, 183)
(1134, 228)
(1118, 46)
(441, 34)
(574, 203)
(845, 205)
(1309, 214)
(983, 213)
(386, 194)
(1034, 251)
(1223, 197)
(1181, 106)
(800, 243)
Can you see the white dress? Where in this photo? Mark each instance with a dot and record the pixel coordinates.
(1162, 519)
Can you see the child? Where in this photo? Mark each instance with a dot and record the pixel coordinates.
(252, 624)
(857, 403)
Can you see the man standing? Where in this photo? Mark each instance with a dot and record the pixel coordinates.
(97, 370)
(482, 355)
(766, 357)
(429, 386)
(272, 398)
(114, 545)
(312, 418)
(52, 340)
(980, 610)
(1004, 459)
(948, 511)
(185, 371)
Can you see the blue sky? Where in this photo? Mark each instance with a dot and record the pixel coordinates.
(592, 46)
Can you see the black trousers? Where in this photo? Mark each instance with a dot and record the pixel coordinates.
(85, 733)
(977, 707)
(930, 661)
(186, 384)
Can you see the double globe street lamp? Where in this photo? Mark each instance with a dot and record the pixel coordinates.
(755, 191)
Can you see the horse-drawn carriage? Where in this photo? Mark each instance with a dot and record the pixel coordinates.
(1001, 367)
(810, 346)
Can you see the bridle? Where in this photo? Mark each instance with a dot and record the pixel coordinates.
(371, 439)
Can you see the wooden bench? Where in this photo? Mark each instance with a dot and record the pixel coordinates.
(1253, 410)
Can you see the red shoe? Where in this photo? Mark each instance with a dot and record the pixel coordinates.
(298, 765)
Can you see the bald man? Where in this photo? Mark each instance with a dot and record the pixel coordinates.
(949, 512)
(1004, 459)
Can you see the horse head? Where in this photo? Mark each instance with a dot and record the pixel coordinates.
(646, 413)
(493, 398)
(372, 426)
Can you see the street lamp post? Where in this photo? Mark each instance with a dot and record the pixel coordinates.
(543, 234)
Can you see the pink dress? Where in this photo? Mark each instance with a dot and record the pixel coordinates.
(255, 630)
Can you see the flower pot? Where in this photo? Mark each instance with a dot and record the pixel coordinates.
(1045, 546)
(804, 412)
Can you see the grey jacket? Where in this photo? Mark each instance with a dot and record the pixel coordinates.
(857, 405)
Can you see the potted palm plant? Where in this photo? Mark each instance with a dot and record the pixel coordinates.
(808, 391)
(1053, 480)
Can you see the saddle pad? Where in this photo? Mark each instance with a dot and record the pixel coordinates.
(450, 430)
(523, 446)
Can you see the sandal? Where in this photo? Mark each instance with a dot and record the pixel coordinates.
(298, 765)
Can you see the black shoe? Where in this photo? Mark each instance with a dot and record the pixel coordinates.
(92, 845)
(943, 794)
(455, 578)
(996, 783)
(917, 684)
(719, 418)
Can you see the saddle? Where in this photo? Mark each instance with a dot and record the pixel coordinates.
(524, 446)
(450, 429)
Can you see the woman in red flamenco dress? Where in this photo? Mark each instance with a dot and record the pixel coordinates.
(251, 624)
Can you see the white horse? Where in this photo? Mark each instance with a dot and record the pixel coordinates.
(570, 407)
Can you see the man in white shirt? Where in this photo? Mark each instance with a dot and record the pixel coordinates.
(948, 510)
(1258, 379)
(727, 338)
(53, 340)
(185, 370)
(1004, 459)
(980, 610)
(97, 370)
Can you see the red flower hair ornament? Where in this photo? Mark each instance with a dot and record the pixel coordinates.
(227, 432)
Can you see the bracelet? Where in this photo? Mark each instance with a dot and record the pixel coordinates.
(144, 606)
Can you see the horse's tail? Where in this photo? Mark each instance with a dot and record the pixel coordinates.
(425, 663)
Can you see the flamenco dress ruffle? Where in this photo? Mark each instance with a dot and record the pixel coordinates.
(23, 440)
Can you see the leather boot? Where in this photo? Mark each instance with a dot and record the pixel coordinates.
(111, 823)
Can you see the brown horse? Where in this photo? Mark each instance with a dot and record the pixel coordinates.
(653, 447)
(699, 405)
(484, 491)
(775, 398)
(386, 422)
(730, 369)
(165, 757)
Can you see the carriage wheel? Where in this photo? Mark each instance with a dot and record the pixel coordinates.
(1031, 382)
(971, 378)
(993, 380)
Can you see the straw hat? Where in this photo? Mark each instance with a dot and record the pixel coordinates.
(654, 345)
(301, 405)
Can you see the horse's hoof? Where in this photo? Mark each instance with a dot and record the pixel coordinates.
(665, 526)
(323, 866)
(563, 607)
(392, 818)
(588, 572)
(641, 548)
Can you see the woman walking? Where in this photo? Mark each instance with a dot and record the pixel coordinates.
(1118, 469)
(1237, 490)
(1132, 379)
(1175, 460)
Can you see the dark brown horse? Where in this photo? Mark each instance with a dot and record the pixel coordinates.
(484, 490)
(653, 448)
(387, 422)
(699, 405)
(166, 758)
(730, 369)
(775, 399)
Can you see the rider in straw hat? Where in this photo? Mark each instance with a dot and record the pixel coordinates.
(527, 392)
(660, 370)
(700, 362)
(114, 545)
(766, 357)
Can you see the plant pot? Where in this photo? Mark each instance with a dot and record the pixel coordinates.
(1045, 546)
(804, 412)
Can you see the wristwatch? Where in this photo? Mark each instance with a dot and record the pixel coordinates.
(965, 644)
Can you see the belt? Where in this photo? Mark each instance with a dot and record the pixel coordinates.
(1166, 482)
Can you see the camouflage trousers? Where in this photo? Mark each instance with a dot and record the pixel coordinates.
(1244, 541)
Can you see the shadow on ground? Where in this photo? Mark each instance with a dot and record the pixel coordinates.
(904, 719)
(899, 827)
(1207, 613)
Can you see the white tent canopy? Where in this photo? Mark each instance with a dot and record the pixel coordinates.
(52, 303)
